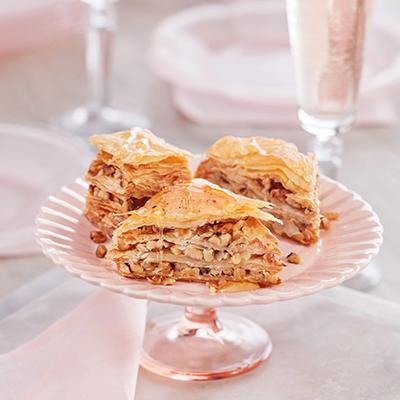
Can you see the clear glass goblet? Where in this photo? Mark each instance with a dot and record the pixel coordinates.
(327, 42)
(97, 116)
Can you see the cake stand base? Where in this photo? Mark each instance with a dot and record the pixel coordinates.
(199, 346)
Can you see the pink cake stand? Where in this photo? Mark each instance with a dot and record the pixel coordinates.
(201, 345)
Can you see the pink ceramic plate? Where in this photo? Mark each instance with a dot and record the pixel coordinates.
(350, 244)
(34, 162)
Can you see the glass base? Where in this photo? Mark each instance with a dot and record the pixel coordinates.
(366, 280)
(199, 346)
(85, 122)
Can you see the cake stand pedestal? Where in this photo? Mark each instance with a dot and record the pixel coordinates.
(201, 346)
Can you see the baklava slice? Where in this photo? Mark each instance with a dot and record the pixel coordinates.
(198, 232)
(129, 168)
(271, 170)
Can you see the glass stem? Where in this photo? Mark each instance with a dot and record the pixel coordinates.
(327, 144)
(99, 40)
(199, 320)
(328, 150)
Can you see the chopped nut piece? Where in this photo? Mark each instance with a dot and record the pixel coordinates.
(214, 240)
(325, 224)
(193, 252)
(136, 268)
(142, 248)
(123, 245)
(208, 255)
(101, 251)
(245, 256)
(212, 287)
(151, 244)
(168, 281)
(108, 170)
(191, 272)
(238, 226)
(125, 268)
(293, 258)
(236, 258)
(175, 250)
(332, 216)
(160, 244)
(103, 195)
(227, 227)
(225, 239)
(155, 280)
(206, 234)
(98, 236)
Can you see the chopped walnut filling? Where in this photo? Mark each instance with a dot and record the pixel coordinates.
(166, 273)
(210, 243)
(213, 251)
(99, 168)
(298, 212)
(134, 204)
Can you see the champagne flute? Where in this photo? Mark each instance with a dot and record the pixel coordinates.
(327, 42)
(97, 116)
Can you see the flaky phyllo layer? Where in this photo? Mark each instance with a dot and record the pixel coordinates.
(129, 168)
(183, 234)
(270, 170)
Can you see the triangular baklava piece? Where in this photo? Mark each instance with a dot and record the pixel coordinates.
(271, 170)
(198, 232)
(129, 168)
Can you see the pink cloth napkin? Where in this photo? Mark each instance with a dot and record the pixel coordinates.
(92, 353)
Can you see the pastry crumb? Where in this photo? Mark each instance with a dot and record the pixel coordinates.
(332, 216)
(211, 287)
(293, 258)
(98, 236)
(326, 218)
(101, 251)
(325, 223)
(231, 287)
(159, 280)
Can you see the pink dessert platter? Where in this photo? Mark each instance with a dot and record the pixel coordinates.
(201, 345)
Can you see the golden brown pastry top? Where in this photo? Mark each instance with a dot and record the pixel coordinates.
(296, 171)
(194, 204)
(137, 146)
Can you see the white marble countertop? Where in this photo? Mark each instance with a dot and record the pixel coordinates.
(32, 91)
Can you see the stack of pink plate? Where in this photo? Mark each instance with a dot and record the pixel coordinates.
(25, 24)
(230, 64)
(33, 163)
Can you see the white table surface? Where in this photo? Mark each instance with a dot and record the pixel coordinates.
(44, 82)
(337, 344)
